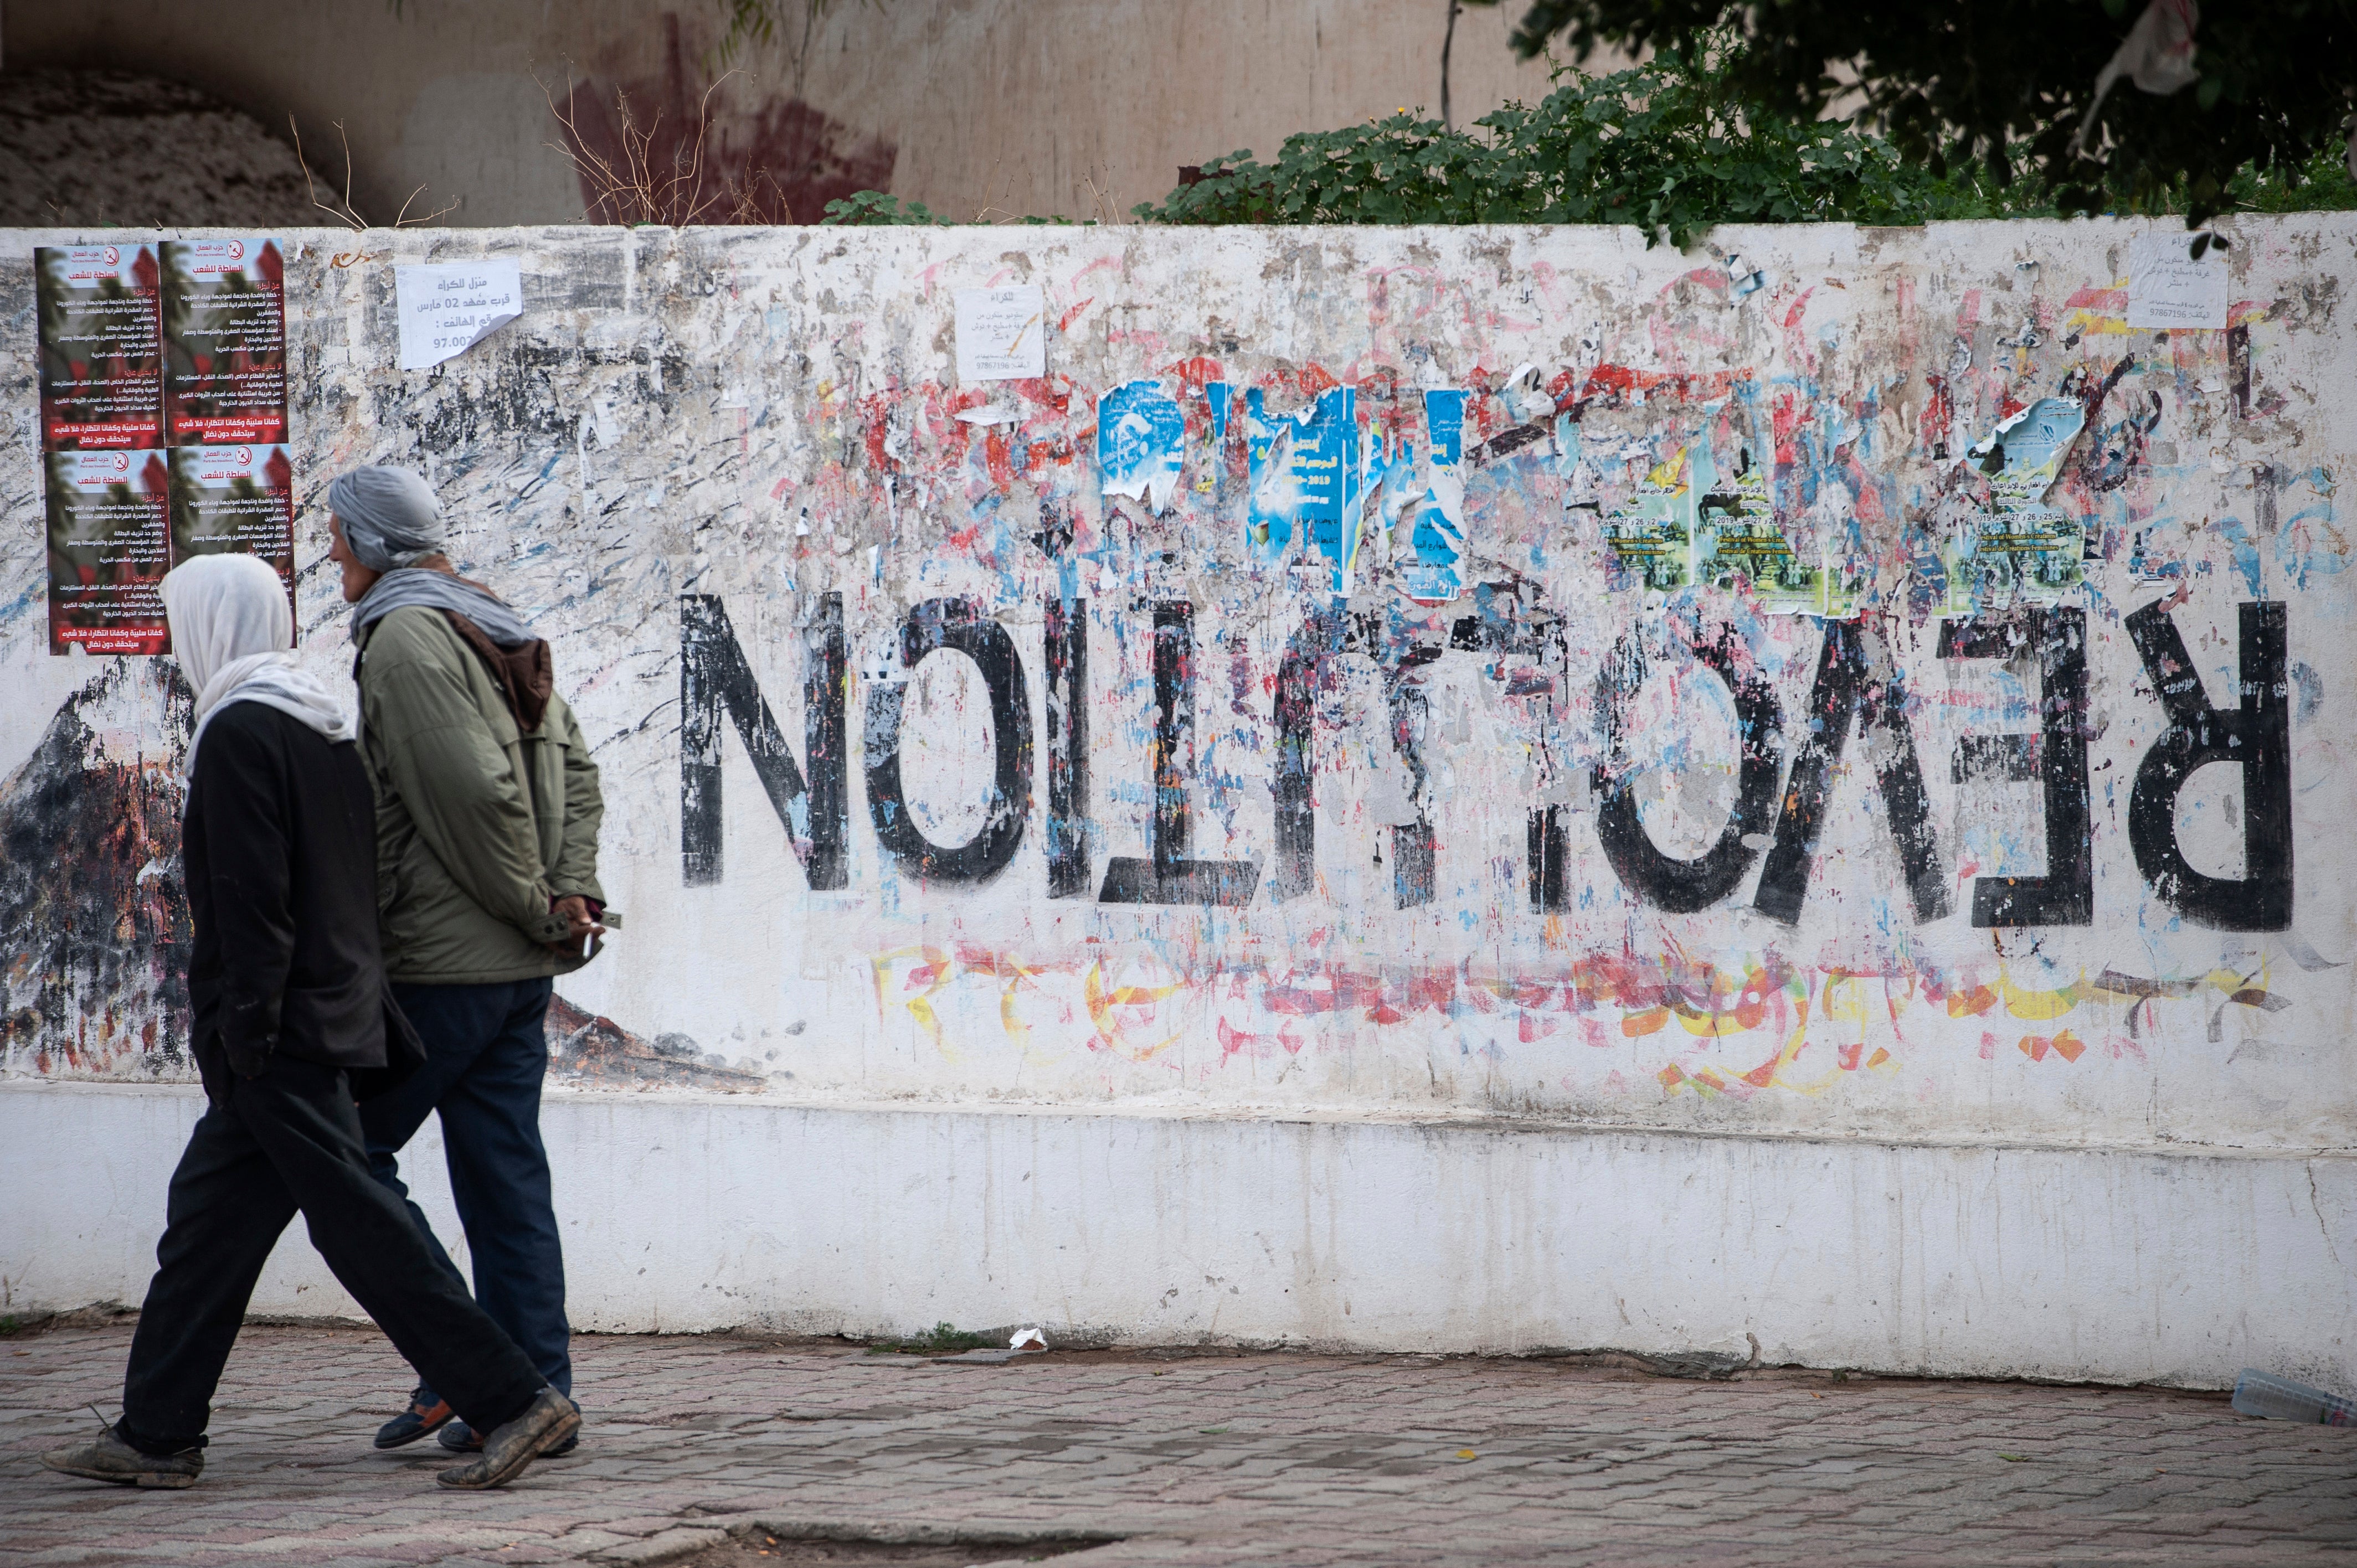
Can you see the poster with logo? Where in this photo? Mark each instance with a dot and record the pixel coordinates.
(224, 315)
(102, 368)
(110, 546)
(238, 499)
(164, 425)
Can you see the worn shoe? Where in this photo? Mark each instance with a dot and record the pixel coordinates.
(428, 1409)
(548, 1421)
(461, 1438)
(107, 1457)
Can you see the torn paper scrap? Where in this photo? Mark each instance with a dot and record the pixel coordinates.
(1436, 539)
(2020, 550)
(1028, 1339)
(1649, 540)
(1002, 333)
(2167, 287)
(1141, 435)
(446, 310)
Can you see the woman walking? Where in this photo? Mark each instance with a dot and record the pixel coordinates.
(292, 1024)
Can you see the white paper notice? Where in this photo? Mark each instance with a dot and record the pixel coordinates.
(446, 310)
(1002, 333)
(2167, 287)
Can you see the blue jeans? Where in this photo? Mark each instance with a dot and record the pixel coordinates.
(486, 1053)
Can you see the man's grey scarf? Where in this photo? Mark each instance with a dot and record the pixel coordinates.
(408, 585)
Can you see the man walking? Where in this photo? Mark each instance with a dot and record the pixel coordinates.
(291, 1021)
(486, 847)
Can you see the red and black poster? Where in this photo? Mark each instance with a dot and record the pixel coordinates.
(224, 341)
(238, 499)
(101, 346)
(163, 426)
(110, 546)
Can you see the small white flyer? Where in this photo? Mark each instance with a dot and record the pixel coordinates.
(448, 309)
(2167, 287)
(1002, 333)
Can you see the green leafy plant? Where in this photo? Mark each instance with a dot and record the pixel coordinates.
(1671, 147)
(2013, 85)
(865, 206)
(940, 1339)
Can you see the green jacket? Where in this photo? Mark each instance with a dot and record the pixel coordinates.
(478, 826)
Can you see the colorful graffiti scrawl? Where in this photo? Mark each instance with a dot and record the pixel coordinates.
(1502, 673)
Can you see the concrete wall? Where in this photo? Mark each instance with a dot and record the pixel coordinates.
(1561, 928)
(688, 1213)
(1020, 106)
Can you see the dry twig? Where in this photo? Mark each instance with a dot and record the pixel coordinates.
(346, 214)
(643, 177)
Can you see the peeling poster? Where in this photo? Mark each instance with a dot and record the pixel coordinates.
(446, 310)
(1141, 438)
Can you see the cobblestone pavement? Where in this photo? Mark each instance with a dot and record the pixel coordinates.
(1292, 1459)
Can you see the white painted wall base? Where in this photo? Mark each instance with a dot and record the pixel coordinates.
(1453, 1236)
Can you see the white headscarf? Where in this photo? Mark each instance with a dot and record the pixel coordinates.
(232, 627)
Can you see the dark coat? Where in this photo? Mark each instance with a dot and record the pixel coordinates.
(279, 845)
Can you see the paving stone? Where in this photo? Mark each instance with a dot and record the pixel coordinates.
(1266, 1460)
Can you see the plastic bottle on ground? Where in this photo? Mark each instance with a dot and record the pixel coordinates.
(2263, 1394)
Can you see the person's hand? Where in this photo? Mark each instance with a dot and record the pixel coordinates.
(580, 925)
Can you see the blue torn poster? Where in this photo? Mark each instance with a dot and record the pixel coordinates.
(1141, 440)
(1305, 478)
(2018, 550)
(1430, 573)
(1212, 464)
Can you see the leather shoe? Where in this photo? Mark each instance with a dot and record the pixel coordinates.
(107, 1457)
(428, 1409)
(461, 1438)
(548, 1421)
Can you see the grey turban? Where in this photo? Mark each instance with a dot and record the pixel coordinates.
(388, 515)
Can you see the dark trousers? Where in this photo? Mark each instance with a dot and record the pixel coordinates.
(265, 1147)
(486, 1053)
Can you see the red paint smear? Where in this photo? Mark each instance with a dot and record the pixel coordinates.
(1073, 315)
(1621, 380)
(782, 163)
(1786, 416)
(1307, 383)
(1196, 373)
(873, 424)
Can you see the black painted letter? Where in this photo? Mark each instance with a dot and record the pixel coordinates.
(1854, 677)
(1298, 676)
(2056, 756)
(1168, 876)
(714, 679)
(2256, 734)
(1067, 651)
(960, 625)
(1681, 886)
